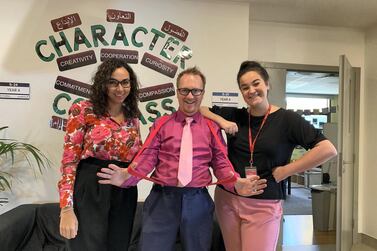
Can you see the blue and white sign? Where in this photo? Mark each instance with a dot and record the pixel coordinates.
(14, 90)
(229, 99)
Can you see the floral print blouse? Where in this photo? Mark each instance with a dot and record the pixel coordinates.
(89, 135)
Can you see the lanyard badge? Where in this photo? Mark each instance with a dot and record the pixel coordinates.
(252, 169)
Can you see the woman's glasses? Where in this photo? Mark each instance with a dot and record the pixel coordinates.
(113, 83)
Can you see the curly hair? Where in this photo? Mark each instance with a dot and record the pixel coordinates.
(99, 96)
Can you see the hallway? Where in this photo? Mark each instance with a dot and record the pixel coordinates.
(298, 235)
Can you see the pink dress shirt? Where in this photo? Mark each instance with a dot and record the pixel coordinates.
(162, 154)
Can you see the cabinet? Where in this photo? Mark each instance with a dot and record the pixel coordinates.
(308, 178)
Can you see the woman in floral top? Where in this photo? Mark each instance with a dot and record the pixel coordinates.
(100, 131)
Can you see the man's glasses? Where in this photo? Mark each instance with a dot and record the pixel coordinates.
(186, 91)
(113, 83)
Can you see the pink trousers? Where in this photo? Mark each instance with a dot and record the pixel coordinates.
(248, 224)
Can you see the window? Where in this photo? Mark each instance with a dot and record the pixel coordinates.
(314, 110)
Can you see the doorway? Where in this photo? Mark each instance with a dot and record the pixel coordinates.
(324, 118)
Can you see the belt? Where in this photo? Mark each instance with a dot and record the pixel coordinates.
(181, 190)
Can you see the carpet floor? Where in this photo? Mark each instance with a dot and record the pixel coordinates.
(299, 202)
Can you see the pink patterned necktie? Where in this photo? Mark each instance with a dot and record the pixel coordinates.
(185, 155)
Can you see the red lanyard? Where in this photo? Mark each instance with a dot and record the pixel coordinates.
(251, 141)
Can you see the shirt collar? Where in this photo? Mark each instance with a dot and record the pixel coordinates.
(181, 116)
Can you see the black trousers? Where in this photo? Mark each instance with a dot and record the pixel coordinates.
(105, 213)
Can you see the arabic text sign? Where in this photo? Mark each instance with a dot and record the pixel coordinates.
(58, 123)
(175, 31)
(119, 16)
(65, 22)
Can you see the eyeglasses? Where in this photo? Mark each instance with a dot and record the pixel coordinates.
(113, 83)
(186, 91)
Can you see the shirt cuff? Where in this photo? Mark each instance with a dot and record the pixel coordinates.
(230, 187)
(131, 181)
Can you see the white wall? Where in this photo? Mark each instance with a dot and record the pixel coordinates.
(218, 36)
(368, 184)
(305, 44)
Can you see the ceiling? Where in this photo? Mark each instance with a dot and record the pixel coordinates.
(356, 14)
(359, 14)
(312, 83)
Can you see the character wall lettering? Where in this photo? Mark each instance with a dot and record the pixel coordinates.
(74, 45)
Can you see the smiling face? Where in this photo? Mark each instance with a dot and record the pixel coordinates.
(190, 104)
(254, 89)
(116, 94)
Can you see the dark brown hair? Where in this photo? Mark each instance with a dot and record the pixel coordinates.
(99, 96)
(247, 66)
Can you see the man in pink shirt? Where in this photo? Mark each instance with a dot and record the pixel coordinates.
(173, 208)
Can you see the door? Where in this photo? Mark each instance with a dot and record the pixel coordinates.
(276, 94)
(346, 142)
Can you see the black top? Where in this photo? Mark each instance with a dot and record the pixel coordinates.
(282, 131)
